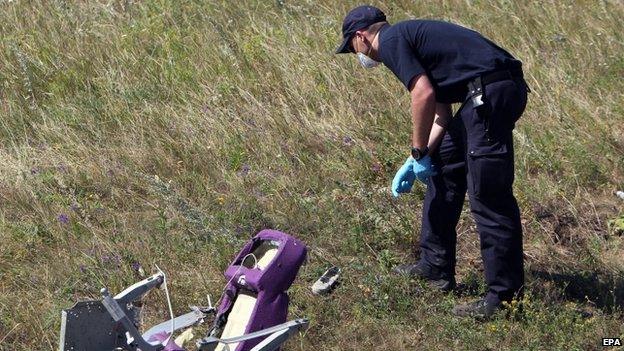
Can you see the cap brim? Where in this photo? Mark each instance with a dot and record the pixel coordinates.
(344, 48)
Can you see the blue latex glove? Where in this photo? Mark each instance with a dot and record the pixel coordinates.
(412, 169)
(404, 178)
(423, 169)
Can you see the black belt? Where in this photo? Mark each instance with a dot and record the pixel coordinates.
(475, 86)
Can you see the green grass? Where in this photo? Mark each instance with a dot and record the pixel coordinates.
(169, 132)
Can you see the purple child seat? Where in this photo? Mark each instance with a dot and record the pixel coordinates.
(255, 297)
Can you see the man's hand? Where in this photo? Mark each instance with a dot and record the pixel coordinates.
(404, 178)
(410, 171)
(423, 169)
(424, 108)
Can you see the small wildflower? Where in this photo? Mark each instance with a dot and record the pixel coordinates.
(376, 167)
(347, 140)
(83, 269)
(244, 170)
(221, 200)
(138, 268)
(63, 218)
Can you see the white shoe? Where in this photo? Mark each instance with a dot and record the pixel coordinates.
(325, 283)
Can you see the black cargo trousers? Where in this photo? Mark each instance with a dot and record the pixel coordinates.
(476, 155)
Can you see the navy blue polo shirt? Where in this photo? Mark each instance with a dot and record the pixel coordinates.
(450, 55)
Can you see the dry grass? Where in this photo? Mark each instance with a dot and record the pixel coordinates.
(244, 109)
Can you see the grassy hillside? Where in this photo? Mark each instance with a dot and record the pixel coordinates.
(135, 133)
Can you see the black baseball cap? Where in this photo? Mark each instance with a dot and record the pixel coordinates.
(358, 18)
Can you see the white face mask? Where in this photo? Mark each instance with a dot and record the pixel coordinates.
(366, 61)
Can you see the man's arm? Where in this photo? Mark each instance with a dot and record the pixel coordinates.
(443, 113)
(423, 110)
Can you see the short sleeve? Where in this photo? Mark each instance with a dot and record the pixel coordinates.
(400, 58)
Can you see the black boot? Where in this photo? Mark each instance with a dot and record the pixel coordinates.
(480, 309)
(417, 271)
